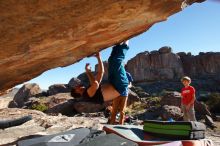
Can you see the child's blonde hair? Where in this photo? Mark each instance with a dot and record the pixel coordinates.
(186, 78)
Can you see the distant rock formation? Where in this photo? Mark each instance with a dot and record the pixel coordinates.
(40, 35)
(202, 65)
(165, 65)
(155, 65)
(162, 70)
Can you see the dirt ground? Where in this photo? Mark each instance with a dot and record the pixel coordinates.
(214, 135)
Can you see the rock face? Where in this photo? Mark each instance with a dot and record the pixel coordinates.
(155, 65)
(161, 70)
(25, 92)
(202, 65)
(74, 82)
(58, 88)
(39, 35)
(165, 65)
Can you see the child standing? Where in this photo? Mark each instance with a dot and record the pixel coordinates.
(188, 99)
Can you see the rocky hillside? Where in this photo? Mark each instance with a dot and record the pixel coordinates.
(166, 65)
(40, 35)
(156, 65)
(162, 70)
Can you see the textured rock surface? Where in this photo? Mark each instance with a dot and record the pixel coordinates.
(161, 70)
(54, 104)
(84, 79)
(25, 92)
(165, 65)
(43, 124)
(155, 65)
(173, 112)
(39, 35)
(74, 82)
(201, 65)
(58, 88)
(172, 98)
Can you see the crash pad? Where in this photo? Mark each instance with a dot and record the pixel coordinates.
(136, 133)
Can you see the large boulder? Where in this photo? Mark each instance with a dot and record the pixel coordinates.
(58, 88)
(84, 79)
(202, 110)
(198, 66)
(173, 112)
(54, 104)
(74, 82)
(25, 92)
(40, 35)
(171, 98)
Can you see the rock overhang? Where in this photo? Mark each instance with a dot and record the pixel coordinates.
(40, 35)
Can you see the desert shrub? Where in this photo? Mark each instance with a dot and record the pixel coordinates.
(135, 108)
(40, 107)
(213, 102)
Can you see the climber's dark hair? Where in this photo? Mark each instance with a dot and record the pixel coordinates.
(74, 94)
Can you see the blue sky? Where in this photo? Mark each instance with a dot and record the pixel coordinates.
(195, 29)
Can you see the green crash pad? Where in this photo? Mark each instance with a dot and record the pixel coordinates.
(183, 130)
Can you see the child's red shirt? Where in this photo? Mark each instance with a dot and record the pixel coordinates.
(187, 94)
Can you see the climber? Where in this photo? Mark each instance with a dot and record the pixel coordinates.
(118, 81)
(119, 104)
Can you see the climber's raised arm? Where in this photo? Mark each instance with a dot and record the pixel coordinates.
(89, 73)
(101, 70)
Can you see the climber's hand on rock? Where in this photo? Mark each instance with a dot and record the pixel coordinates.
(88, 67)
(97, 55)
